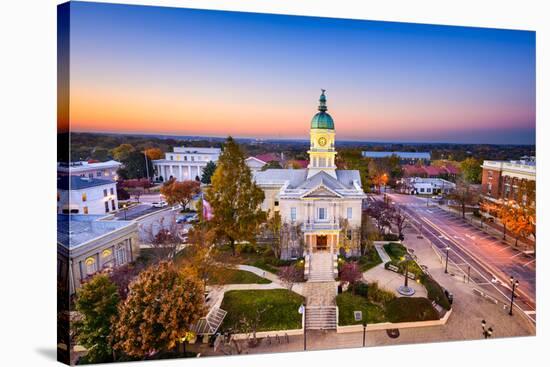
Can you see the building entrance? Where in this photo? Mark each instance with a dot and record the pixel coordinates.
(322, 243)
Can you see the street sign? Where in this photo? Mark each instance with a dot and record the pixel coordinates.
(358, 315)
(301, 309)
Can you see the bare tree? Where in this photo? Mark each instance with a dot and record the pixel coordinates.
(250, 325)
(400, 221)
(465, 195)
(163, 237)
(382, 214)
(290, 275)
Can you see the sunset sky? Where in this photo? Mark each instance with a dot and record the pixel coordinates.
(136, 69)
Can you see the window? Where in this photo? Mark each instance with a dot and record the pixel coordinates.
(120, 256)
(293, 214)
(171, 157)
(112, 191)
(106, 207)
(90, 175)
(348, 234)
(192, 158)
(85, 210)
(98, 173)
(184, 157)
(276, 203)
(113, 207)
(84, 196)
(58, 197)
(91, 266)
(105, 192)
(422, 189)
(322, 213)
(349, 213)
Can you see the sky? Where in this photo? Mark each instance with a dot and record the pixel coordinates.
(157, 70)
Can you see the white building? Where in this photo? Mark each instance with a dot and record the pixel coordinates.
(87, 244)
(426, 186)
(103, 170)
(84, 195)
(254, 164)
(184, 163)
(321, 204)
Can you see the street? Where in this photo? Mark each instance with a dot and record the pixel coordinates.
(488, 260)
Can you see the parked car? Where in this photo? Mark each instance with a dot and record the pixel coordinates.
(193, 218)
(159, 204)
(181, 219)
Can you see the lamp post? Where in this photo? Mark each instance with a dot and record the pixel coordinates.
(125, 208)
(447, 259)
(514, 283)
(364, 333)
(487, 332)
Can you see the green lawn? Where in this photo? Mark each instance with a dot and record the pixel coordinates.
(237, 276)
(347, 303)
(370, 260)
(405, 309)
(395, 250)
(280, 305)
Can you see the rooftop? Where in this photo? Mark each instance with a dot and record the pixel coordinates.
(79, 183)
(75, 230)
(403, 155)
(86, 166)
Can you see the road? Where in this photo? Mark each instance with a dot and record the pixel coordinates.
(488, 259)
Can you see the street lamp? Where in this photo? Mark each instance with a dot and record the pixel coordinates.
(487, 332)
(364, 332)
(125, 208)
(447, 259)
(514, 283)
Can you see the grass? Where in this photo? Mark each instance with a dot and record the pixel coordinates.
(406, 309)
(348, 302)
(370, 260)
(279, 306)
(395, 251)
(237, 276)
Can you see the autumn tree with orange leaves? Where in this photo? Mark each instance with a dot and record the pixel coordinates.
(162, 304)
(180, 192)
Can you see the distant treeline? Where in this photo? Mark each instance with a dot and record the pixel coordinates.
(86, 146)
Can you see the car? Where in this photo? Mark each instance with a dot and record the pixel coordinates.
(159, 204)
(181, 219)
(193, 218)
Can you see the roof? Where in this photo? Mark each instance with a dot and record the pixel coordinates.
(453, 170)
(74, 230)
(87, 166)
(301, 163)
(412, 170)
(402, 155)
(269, 157)
(79, 183)
(294, 182)
(434, 171)
(322, 120)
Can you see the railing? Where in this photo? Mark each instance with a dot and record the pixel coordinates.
(321, 226)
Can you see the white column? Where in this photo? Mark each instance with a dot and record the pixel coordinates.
(171, 170)
(181, 173)
(189, 172)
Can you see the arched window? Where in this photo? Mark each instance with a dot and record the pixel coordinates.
(91, 266)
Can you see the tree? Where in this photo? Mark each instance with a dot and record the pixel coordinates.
(162, 305)
(400, 220)
(101, 154)
(207, 173)
(122, 152)
(273, 227)
(235, 199)
(182, 193)
(471, 170)
(135, 166)
(351, 273)
(465, 195)
(382, 213)
(163, 237)
(290, 275)
(96, 303)
(122, 276)
(153, 153)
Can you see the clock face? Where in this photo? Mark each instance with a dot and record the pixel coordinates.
(322, 141)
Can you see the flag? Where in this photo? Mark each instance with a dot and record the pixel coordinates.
(206, 210)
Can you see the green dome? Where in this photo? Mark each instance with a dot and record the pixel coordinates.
(322, 120)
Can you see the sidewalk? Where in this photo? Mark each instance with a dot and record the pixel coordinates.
(492, 229)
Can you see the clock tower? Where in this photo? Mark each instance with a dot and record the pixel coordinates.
(321, 152)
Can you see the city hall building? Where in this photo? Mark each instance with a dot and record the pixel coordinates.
(320, 205)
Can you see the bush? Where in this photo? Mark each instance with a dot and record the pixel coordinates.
(435, 291)
(362, 289)
(246, 248)
(378, 295)
(395, 250)
(391, 237)
(408, 309)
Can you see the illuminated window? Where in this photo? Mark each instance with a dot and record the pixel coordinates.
(85, 210)
(349, 213)
(106, 253)
(91, 266)
(84, 196)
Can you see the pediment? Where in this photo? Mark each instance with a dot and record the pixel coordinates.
(321, 192)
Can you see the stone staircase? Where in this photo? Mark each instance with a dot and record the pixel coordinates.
(321, 318)
(321, 267)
